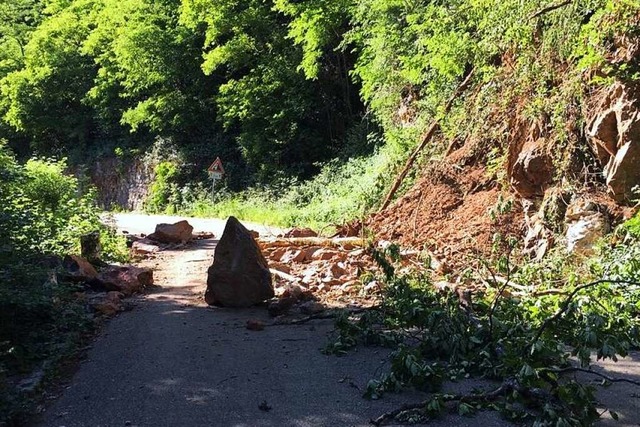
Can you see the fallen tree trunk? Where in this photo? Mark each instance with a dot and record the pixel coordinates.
(338, 242)
(425, 140)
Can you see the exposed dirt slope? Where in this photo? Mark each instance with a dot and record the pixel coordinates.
(454, 211)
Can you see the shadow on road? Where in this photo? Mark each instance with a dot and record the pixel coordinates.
(173, 361)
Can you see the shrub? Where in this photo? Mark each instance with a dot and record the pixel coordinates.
(42, 216)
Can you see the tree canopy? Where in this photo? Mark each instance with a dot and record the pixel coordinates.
(281, 82)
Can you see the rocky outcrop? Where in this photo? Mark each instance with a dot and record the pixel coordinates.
(239, 275)
(532, 170)
(122, 182)
(614, 134)
(180, 232)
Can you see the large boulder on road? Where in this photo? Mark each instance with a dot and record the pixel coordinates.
(239, 276)
(180, 232)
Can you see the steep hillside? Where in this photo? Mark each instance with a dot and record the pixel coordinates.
(530, 163)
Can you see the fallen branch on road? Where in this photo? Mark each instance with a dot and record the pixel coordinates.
(328, 314)
(592, 372)
(507, 387)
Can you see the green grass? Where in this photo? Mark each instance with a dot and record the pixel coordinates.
(340, 192)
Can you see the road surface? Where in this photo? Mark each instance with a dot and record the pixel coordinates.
(136, 223)
(173, 361)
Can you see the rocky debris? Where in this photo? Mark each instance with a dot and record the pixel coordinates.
(554, 207)
(125, 279)
(106, 303)
(131, 238)
(533, 169)
(325, 254)
(329, 273)
(79, 269)
(446, 211)
(293, 256)
(144, 247)
(300, 232)
(585, 226)
(180, 232)
(280, 306)
(239, 276)
(203, 235)
(614, 134)
(255, 325)
(289, 294)
(90, 246)
(307, 242)
(538, 239)
(312, 307)
(349, 229)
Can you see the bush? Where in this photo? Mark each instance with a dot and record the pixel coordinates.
(343, 190)
(42, 216)
(530, 341)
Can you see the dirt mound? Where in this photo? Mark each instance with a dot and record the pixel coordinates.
(454, 211)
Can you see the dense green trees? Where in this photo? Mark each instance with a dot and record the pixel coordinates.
(94, 70)
(281, 82)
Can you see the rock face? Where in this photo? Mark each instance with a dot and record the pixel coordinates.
(614, 133)
(533, 169)
(180, 232)
(239, 275)
(122, 182)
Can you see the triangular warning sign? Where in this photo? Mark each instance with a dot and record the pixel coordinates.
(216, 167)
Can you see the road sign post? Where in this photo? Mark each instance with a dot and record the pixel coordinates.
(216, 171)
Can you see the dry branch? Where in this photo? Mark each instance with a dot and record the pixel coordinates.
(329, 314)
(425, 140)
(550, 8)
(507, 387)
(592, 372)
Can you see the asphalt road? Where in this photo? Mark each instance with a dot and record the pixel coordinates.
(136, 223)
(173, 361)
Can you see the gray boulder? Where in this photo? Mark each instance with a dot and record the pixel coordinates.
(239, 276)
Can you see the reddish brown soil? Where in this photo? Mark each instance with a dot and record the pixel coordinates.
(447, 212)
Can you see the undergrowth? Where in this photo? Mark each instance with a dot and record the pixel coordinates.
(531, 340)
(341, 190)
(42, 320)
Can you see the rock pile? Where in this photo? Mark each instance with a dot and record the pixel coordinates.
(314, 273)
(105, 289)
